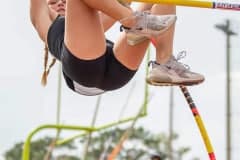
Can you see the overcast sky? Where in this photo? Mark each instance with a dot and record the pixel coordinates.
(25, 104)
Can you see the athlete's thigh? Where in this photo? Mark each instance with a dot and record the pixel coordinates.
(84, 35)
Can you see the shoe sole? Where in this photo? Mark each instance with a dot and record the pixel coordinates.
(133, 42)
(173, 84)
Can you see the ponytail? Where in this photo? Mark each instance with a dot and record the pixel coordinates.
(46, 67)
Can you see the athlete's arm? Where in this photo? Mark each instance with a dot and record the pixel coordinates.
(41, 17)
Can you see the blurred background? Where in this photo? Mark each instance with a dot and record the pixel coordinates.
(212, 41)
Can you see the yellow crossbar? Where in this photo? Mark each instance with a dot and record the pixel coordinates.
(192, 3)
(196, 3)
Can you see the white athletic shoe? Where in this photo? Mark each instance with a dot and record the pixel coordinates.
(173, 73)
(147, 26)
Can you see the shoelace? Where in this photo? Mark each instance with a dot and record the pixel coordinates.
(181, 55)
(174, 63)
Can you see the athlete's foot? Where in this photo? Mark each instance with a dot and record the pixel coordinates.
(173, 73)
(147, 26)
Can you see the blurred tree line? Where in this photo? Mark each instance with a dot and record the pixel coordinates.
(140, 146)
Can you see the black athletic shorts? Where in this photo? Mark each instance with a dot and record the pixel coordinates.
(87, 77)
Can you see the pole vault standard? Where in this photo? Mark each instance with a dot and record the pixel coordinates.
(196, 3)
